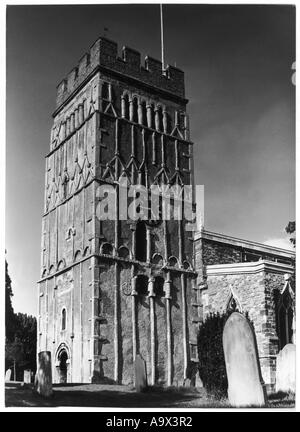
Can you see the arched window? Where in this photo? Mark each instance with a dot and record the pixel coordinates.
(105, 91)
(142, 113)
(141, 242)
(142, 285)
(166, 122)
(63, 319)
(159, 286)
(150, 111)
(285, 316)
(125, 106)
(159, 118)
(134, 110)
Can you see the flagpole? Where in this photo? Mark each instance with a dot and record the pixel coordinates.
(162, 38)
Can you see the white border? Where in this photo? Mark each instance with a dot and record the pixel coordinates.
(2, 201)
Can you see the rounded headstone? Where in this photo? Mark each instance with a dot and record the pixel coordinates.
(286, 369)
(27, 376)
(242, 364)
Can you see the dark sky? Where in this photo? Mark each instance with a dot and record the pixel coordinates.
(237, 62)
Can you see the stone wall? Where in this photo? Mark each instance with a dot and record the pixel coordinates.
(69, 290)
(253, 291)
(115, 117)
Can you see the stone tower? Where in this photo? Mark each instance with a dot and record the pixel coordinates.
(110, 289)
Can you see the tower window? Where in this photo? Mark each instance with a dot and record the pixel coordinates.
(142, 113)
(125, 107)
(141, 242)
(134, 110)
(159, 119)
(105, 91)
(150, 110)
(63, 319)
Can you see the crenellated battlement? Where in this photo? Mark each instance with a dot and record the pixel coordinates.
(104, 53)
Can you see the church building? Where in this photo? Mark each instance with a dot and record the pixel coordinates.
(110, 289)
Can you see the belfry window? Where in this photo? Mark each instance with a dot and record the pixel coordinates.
(125, 106)
(63, 319)
(158, 119)
(142, 113)
(150, 111)
(134, 110)
(141, 242)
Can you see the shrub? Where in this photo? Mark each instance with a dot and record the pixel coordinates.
(212, 369)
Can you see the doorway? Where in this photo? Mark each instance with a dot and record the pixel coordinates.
(63, 367)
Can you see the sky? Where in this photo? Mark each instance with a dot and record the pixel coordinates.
(238, 68)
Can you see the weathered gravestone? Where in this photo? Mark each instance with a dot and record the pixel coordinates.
(187, 382)
(8, 375)
(286, 369)
(198, 381)
(43, 378)
(27, 376)
(242, 363)
(140, 374)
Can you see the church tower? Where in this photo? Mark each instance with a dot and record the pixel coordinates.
(112, 289)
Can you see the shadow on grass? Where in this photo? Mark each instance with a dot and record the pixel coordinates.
(118, 396)
(281, 400)
(103, 396)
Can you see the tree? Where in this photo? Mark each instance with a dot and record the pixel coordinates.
(212, 369)
(10, 322)
(13, 355)
(20, 335)
(291, 229)
(26, 333)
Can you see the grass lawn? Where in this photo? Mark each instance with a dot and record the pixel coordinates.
(103, 395)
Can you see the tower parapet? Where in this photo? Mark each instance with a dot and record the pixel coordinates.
(104, 54)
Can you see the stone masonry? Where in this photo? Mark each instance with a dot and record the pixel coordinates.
(102, 297)
(254, 276)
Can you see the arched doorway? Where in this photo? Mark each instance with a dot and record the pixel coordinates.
(63, 367)
(62, 364)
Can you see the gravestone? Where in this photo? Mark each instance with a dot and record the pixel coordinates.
(8, 375)
(198, 381)
(242, 363)
(140, 374)
(27, 376)
(43, 378)
(286, 369)
(187, 382)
